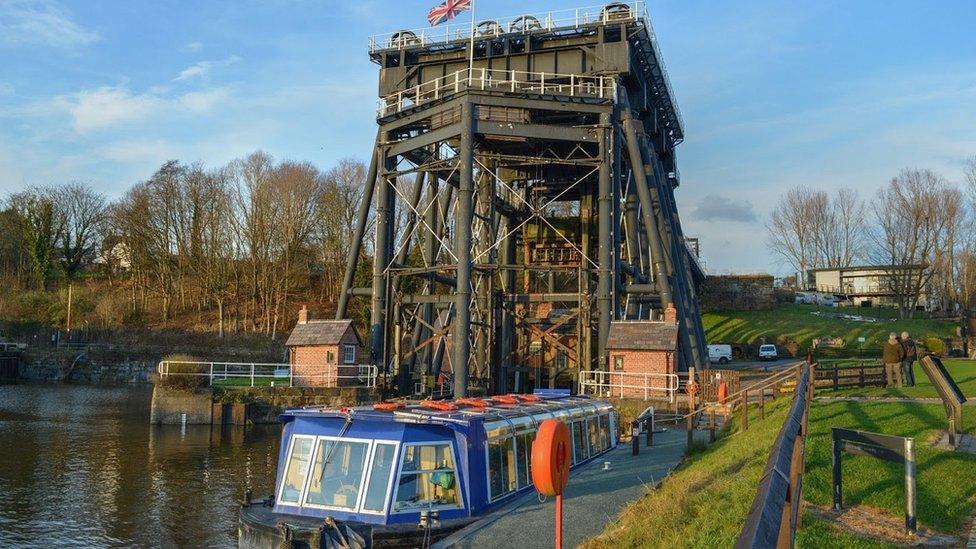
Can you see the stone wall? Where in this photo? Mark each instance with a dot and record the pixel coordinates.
(265, 404)
(98, 368)
(169, 405)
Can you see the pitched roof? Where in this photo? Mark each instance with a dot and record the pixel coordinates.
(643, 335)
(320, 332)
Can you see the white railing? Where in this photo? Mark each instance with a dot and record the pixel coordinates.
(254, 374)
(628, 384)
(501, 80)
(515, 24)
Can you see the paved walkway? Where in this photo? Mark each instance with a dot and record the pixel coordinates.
(593, 499)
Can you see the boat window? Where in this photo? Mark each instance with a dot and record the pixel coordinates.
(604, 431)
(501, 467)
(592, 425)
(523, 454)
(579, 442)
(296, 469)
(428, 478)
(337, 474)
(384, 457)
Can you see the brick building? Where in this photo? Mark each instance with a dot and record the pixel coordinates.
(324, 353)
(642, 347)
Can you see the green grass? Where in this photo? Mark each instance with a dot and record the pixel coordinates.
(705, 502)
(963, 371)
(945, 484)
(797, 323)
(259, 381)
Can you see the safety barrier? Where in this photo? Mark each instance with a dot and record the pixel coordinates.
(280, 375)
(775, 512)
(629, 384)
(500, 80)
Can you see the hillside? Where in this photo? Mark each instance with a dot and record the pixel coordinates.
(800, 324)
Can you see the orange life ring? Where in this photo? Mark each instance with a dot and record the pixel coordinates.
(472, 402)
(505, 399)
(528, 398)
(691, 388)
(388, 406)
(550, 458)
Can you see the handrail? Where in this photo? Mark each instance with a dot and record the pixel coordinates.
(499, 80)
(603, 381)
(365, 374)
(775, 511)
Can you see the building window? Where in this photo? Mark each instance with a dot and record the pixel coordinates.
(618, 362)
(329, 357)
(348, 354)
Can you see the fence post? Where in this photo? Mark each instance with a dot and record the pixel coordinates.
(691, 429)
(860, 380)
(745, 410)
(711, 425)
(762, 403)
(634, 439)
(835, 462)
(252, 374)
(836, 380)
(211, 373)
(910, 521)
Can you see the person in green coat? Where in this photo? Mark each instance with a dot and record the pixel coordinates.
(893, 354)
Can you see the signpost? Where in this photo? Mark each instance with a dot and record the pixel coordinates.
(952, 397)
(550, 466)
(885, 447)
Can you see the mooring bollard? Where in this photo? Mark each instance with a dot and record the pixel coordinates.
(634, 439)
(649, 425)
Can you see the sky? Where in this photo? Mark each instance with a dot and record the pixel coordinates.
(774, 94)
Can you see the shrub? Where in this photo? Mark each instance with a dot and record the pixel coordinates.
(788, 344)
(935, 346)
(180, 373)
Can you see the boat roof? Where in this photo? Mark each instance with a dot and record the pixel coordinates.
(490, 409)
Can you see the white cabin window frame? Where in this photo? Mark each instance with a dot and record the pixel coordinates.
(462, 492)
(362, 478)
(284, 472)
(389, 482)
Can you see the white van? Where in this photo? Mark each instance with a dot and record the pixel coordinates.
(721, 354)
(768, 352)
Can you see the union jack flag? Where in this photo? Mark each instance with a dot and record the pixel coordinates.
(447, 11)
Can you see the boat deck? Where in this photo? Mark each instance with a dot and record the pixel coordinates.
(593, 499)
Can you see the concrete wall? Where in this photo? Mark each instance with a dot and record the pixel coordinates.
(169, 405)
(51, 365)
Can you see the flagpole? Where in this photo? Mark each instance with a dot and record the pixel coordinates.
(471, 54)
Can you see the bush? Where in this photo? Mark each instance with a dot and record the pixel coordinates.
(935, 346)
(180, 374)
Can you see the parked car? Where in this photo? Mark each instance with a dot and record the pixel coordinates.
(7, 346)
(768, 352)
(721, 354)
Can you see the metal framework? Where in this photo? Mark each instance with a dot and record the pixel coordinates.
(541, 205)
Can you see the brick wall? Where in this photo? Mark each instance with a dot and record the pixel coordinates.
(318, 365)
(655, 362)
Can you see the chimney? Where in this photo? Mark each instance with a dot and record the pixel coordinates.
(303, 315)
(671, 314)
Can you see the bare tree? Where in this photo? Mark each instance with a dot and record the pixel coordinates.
(82, 215)
(41, 229)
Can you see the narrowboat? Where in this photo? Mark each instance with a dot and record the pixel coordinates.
(408, 474)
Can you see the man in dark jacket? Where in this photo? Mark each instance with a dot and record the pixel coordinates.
(892, 353)
(911, 354)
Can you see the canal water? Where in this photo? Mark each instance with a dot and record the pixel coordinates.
(81, 467)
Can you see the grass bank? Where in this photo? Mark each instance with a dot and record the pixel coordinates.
(963, 371)
(798, 323)
(705, 502)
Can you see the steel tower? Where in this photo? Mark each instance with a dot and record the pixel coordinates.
(539, 192)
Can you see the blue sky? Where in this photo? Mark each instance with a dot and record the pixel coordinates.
(774, 94)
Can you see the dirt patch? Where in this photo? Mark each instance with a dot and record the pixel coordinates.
(871, 523)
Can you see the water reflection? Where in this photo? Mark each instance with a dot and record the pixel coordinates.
(81, 466)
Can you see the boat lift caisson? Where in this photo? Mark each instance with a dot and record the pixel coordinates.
(397, 474)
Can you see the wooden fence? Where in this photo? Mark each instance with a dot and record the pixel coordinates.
(775, 512)
(848, 376)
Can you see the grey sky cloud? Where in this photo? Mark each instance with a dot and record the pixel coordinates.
(718, 207)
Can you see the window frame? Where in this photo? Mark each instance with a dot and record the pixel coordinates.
(389, 481)
(399, 472)
(362, 477)
(284, 472)
(346, 348)
(514, 438)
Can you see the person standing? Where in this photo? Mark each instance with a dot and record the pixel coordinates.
(893, 354)
(911, 354)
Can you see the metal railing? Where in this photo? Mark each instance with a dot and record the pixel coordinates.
(515, 24)
(775, 512)
(501, 80)
(628, 384)
(258, 374)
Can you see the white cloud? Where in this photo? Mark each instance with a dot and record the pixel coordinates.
(107, 106)
(719, 207)
(202, 68)
(152, 151)
(203, 101)
(193, 47)
(41, 22)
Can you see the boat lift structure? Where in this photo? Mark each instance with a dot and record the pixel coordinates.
(538, 181)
